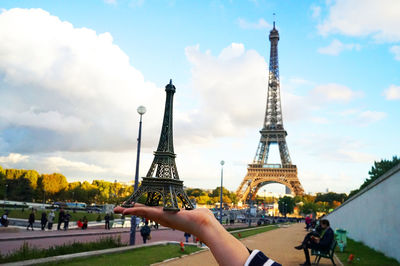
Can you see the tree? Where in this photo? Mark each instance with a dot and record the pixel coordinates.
(19, 189)
(286, 205)
(2, 182)
(308, 208)
(377, 170)
(330, 197)
(54, 183)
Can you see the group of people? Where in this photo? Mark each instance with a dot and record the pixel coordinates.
(48, 220)
(82, 223)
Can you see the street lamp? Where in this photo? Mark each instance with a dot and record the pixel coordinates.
(141, 110)
(44, 198)
(220, 202)
(285, 210)
(5, 197)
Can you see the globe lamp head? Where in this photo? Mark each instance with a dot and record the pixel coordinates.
(141, 110)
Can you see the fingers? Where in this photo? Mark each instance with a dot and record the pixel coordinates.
(153, 213)
(120, 209)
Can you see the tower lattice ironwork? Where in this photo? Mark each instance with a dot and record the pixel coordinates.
(260, 173)
(162, 183)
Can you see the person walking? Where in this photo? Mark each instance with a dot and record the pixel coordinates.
(61, 216)
(308, 222)
(187, 235)
(43, 220)
(85, 223)
(67, 216)
(4, 219)
(51, 220)
(31, 219)
(107, 221)
(145, 232)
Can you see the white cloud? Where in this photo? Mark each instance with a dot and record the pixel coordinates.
(316, 11)
(392, 93)
(320, 120)
(368, 117)
(334, 92)
(235, 77)
(395, 49)
(231, 89)
(139, 3)
(260, 24)
(51, 120)
(362, 117)
(13, 158)
(59, 164)
(336, 47)
(112, 2)
(58, 80)
(380, 19)
(356, 156)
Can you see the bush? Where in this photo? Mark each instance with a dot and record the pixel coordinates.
(98, 219)
(27, 252)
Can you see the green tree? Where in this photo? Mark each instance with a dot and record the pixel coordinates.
(19, 189)
(2, 182)
(330, 197)
(286, 205)
(377, 170)
(308, 208)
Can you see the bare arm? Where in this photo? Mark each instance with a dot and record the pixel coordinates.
(227, 250)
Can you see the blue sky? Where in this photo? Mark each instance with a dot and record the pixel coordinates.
(73, 72)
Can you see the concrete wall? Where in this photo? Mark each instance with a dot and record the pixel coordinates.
(373, 215)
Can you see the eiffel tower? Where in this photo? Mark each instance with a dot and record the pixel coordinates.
(164, 188)
(260, 173)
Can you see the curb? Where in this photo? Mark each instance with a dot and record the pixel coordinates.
(60, 235)
(72, 235)
(89, 254)
(177, 258)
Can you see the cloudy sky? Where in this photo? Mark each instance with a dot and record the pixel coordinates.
(72, 74)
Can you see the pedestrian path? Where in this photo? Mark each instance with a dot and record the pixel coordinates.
(277, 244)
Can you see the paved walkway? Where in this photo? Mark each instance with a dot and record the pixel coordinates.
(277, 244)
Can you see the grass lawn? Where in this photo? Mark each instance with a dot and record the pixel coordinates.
(140, 256)
(18, 213)
(254, 231)
(363, 255)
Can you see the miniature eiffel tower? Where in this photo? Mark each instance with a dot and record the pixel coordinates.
(164, 188)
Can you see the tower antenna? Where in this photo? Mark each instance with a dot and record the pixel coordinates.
(274, 16)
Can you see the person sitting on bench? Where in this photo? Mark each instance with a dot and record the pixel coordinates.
(321, 241)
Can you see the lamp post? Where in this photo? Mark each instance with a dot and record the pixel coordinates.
(285, 210)
(141, 110)
(5, 196)
(250, 205)
(220, 202)
(44, 198)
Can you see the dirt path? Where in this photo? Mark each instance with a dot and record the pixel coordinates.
(277, 244)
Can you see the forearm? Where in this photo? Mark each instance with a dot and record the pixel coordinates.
(226, 249)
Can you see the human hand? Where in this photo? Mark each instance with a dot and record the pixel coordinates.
(226, 249)
(194, 221)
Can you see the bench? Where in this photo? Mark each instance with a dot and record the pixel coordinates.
(321, 254)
